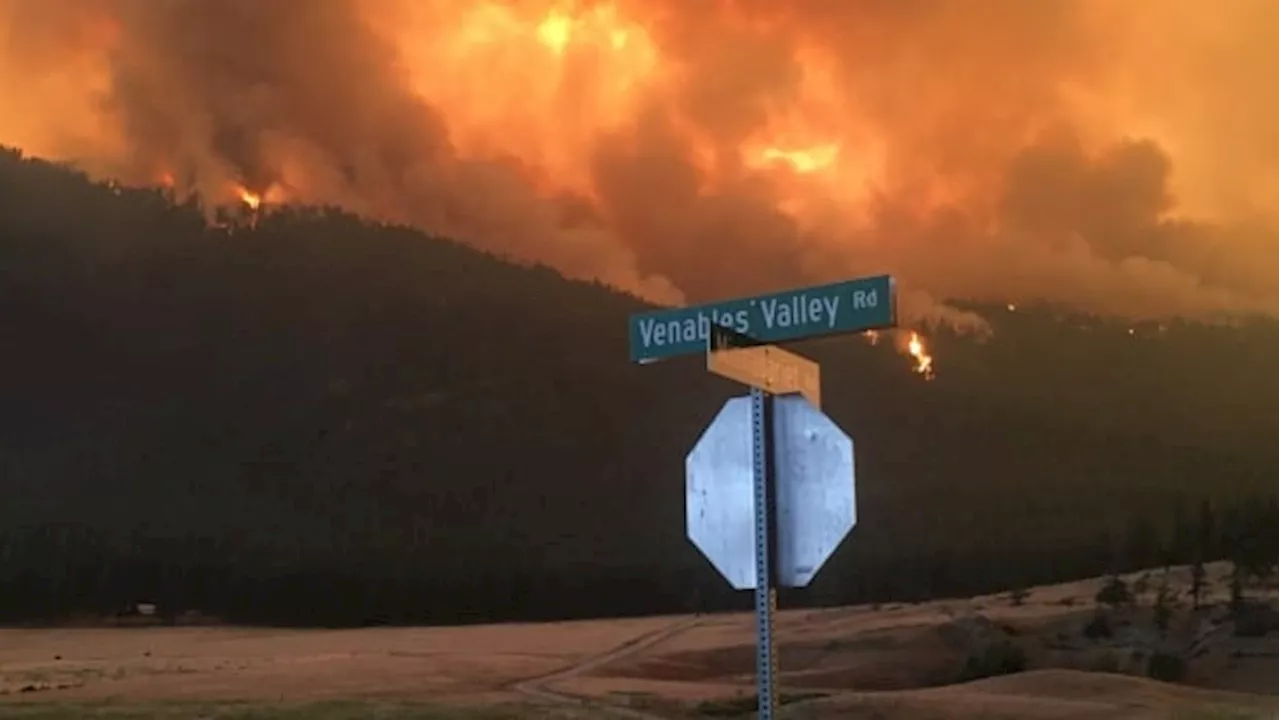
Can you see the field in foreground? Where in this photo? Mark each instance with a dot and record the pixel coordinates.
(897, 661)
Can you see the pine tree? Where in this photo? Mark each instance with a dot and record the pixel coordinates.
(1115, 592)
(1163, 611)
(1141, 544)
(1208, 537)
(1237, 590)
(1253, 547)
(1181, 543)
(1270, 517)
(1197, 583)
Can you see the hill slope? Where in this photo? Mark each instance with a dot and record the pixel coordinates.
(318, 419)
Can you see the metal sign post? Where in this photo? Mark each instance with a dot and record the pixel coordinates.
(766, 546)
(769, 487)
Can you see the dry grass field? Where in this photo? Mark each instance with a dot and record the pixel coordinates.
(943, 660)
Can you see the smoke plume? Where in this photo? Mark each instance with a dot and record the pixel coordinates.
(1112, 157)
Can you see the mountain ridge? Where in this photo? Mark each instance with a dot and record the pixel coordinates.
(219, 416)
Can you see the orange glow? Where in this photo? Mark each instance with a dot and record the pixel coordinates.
(251, 200)
(642, 142)
(803, 161)
(918, 352)
(555, 32)
(528, 83)
(255, 200)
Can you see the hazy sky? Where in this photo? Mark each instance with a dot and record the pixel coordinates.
(1118, 157)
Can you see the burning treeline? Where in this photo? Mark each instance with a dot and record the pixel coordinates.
(1114, 157)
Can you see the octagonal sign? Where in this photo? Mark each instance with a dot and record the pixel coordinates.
(815, 493)
(719, 494)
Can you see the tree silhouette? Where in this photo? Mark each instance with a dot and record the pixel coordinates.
(1181, 543)
(316, 419)
(1197, 583)
(1208, 538)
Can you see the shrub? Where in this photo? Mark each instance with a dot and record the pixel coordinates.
(1198, 577)
(1106, 662)
(1098, 627)
(1142, 584)
(1115, 592)
(997, 658)
(1166, 667)
(1162, 610)
(1236, 602)
(1253, 619)
(745, 705)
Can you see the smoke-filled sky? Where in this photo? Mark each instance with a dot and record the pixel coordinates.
(1116, 157)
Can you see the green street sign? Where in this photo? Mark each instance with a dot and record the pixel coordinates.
(844, 307)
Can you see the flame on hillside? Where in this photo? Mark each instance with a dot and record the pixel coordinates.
(251, 200)
(913, 347)
(923, 360)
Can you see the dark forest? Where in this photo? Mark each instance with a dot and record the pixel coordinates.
(308, 418)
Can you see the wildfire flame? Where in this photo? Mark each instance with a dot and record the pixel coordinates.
(923, 360)
(251, 200)
(613, 139)
(254, 200)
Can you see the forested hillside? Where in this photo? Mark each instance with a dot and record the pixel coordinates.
(316, 419)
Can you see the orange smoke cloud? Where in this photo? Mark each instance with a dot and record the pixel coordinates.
(1112, 157)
